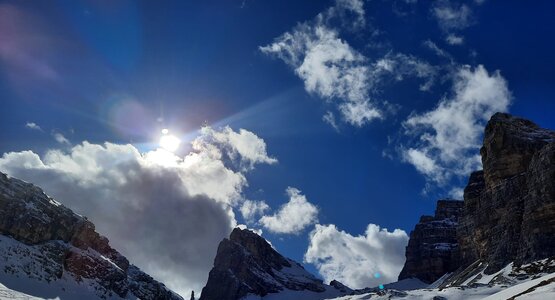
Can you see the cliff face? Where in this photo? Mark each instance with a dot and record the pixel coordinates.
(432, 250)
(509, 207)
(246, 264)
(62, 244)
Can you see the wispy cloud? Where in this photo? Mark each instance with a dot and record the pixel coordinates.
(60, 138)
(33, 126)
(336, 72)
(449, 135)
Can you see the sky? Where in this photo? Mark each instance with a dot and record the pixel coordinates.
(329, 127)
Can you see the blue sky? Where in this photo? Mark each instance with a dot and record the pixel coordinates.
(425, 74)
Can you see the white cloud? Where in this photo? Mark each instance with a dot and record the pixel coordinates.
(354, 260)
(32, 125)
(329, 117)
(398, 66)
(329, 67)
(451, 15)
(292, 217)
(152, 205)
(251, 209)
(60, 138)
(456, 193)
(450, 134)
(452, 39)
(243, 147)
(438, 51)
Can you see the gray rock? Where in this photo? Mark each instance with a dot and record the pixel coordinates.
(509, 207)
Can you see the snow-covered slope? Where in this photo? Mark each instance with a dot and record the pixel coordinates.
(531, 281)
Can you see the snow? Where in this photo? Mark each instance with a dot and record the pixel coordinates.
(523, 287)
(329, 293)
(407, 284)
(24, 275)
(479, 285)
(439, 281)
(6, 293)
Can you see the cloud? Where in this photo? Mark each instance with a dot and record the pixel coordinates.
(398, 66)
(329, 117)
(329, 67)
(251, 209)
(292, 217)
(150, 205)
(32, 125)
(451, 15)
(354, 260)
(437, 51)
(60, 138)
(449, 136)
(243, 147)
(452, 39)
(336, 72)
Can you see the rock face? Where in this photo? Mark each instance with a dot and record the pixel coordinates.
(509, 207)
(432, 250)
(246, 264)
(63, 243)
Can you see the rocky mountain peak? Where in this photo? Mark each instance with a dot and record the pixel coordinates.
(509, 144)
(259, 249)
(246, 264)
(509, 207)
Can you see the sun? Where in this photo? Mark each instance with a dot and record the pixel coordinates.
(169, 142)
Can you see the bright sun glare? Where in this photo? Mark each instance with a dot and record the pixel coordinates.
(169, 142)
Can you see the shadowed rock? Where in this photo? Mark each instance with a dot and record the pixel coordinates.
(247, 264)
(69, 243)
(509, 207)
(432, 250)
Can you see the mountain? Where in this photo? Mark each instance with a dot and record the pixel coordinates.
(433, 248)
(247, 267)
(499, 243)
(47, 251)
(509, 207)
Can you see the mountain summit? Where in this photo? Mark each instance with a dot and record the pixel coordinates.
(246, 265)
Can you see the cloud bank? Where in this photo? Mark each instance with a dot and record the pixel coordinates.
(354, 260)
(154, 204)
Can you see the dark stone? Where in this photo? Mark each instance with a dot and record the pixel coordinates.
(247, 264)
(509, 207)
(432, 250)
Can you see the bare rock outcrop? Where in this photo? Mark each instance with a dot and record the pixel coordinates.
(432, 250)
(509, 207)
(247, 264)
